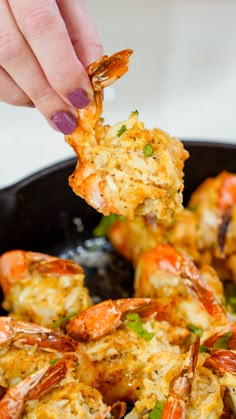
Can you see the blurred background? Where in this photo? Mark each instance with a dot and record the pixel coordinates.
(182, 79)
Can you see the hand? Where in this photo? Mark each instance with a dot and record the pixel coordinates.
(45, 46)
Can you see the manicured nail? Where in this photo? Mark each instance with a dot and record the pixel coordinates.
(79, 98)
(64, 121)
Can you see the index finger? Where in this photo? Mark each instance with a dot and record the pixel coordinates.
(45, 31)
(82, 30)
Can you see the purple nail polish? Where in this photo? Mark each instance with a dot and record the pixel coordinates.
(64, 121)
(79, 98)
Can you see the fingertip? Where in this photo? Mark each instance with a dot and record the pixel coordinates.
(64, 121)
(79, 98)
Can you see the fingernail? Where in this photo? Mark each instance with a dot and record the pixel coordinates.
(79, 98)
(64, 121)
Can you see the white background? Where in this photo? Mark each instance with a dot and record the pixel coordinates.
(182, 78)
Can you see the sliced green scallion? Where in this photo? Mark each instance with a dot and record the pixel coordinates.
(135, 324)
(195, 329)
(54, 361)
(58, 323)
(156, 413)
(148, 150)
(101, 230)
(121, 131)
(222, 341)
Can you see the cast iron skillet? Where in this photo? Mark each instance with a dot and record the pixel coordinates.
(41, 213)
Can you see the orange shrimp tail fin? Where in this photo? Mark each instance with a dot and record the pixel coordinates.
(108, 69)
(53, 376)
(180, 387)
(222, 361)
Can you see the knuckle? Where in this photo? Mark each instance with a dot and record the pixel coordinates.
(37, 20)
(63, 75)
(43, 95)
(14, 97)
(11, 45)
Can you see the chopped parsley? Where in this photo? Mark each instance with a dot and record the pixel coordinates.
(54, 361)
(121, 131)
(222, 341)
(58, 323)
(195, 329)
(148, 150)
(106, 222)
(156, 413)
(135, 324)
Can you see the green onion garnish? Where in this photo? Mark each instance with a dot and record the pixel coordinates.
(121, 131)
(148, 150)
(222, 341)
(58, 323)
(135, 324)
(203, 348)
(106, 222)
(195, 329)
(54, 361)
(156, 413)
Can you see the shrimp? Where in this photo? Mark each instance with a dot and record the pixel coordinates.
(20, 333)
(131, 238)
(72, 399)
(180, 387)
(12, 403)
(127, 349)
(54, 391)
(148, 162)
(226, 336)
(103, 318)
(221, 361)
(226, 200)
(165, 272)
(125, 235)
(214, 206)
(41, 288)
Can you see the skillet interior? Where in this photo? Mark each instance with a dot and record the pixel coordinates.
(41, 213)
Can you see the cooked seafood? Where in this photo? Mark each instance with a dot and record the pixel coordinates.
(180, 385)
(215, 208)
(53, 392)
(69, 400)
(163, 272)
(22, 333)
(90, 324)
(42, 381)
(133, 237)
(134, 354)
(151, 370)
(199, 394)
(205, 230)
(41, 288)
(123, 349)
(170, 351)
(148, 162)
